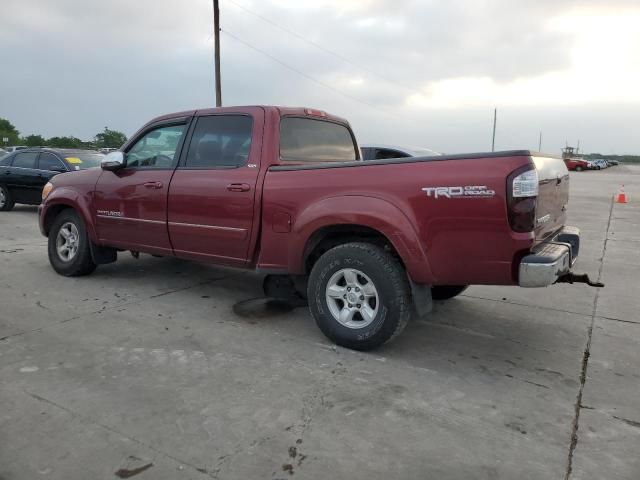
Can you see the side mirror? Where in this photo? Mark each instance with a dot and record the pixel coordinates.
(59, 169)
(113, 161)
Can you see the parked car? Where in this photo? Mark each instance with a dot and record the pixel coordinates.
(599, 163)
(578, 164)
(380, 152)
(13, 149)
(283, 191)
(25, 172)
(612, 163)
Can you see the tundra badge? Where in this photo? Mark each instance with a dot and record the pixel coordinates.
(467, 191)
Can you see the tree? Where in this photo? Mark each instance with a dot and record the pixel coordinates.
(110, 139)
(7, 130)
(65, 142)
(34, 140)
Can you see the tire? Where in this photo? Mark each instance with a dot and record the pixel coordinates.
(361, 270)
(6, 201)
(578, 169)
(445, 292)
(77, 260)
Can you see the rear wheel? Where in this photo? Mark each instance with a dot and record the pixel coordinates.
(359, 295)
(578, 168)
(6, 202)
(445, 292)
(69, 251)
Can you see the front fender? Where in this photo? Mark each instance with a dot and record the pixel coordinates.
(371, 212)
(65, 196)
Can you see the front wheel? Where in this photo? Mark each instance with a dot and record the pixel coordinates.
(359, 295)
(578, 169)
(69, 251)
(6, 202)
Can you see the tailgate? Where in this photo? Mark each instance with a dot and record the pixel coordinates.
(553, 196)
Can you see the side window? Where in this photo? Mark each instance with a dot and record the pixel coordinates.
(309, 140)
(25, 160)
(157, 148)
(384, 153)
(5, 161)
(48, 161)
(220, 141)
(367, 153)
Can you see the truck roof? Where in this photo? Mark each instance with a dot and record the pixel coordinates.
(280, 110)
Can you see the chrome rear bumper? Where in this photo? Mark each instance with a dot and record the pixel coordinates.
(550, 260)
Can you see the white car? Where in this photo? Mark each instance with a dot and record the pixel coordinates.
(13, 149)
(380, 152)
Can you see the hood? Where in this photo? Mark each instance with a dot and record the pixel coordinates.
(77, 177)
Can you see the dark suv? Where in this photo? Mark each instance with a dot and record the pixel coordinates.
(25, 172)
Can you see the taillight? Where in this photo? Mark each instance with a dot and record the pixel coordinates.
(522, 193)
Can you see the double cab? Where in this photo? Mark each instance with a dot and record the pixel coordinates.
(283, 191)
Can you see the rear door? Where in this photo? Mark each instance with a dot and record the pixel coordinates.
(131, 203)
(213, 191)
(22, 178)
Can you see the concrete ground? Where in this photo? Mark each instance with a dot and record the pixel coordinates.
(155, 368)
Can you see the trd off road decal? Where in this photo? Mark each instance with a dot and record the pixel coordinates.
(109, 213)
(467, 191)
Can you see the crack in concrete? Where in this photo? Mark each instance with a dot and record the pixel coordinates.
(585, 357)
(110, 429)
(613, 319)
(120, 305)
(539, 307)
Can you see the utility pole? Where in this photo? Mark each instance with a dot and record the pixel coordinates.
(578, 148)
(216, 33)
(493, 138)
(540, 142)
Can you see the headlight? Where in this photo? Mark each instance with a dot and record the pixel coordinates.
(47, 190)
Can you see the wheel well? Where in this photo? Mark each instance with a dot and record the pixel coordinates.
(328, 237)
(52, 213)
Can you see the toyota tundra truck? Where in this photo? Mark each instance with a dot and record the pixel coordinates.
(283, 191)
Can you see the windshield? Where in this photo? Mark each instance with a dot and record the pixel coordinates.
(82, 161)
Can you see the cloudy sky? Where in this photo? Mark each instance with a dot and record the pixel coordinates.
(415, 72)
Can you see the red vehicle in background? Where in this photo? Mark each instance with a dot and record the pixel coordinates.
(283, 191)
(573, 162)
(578, 164)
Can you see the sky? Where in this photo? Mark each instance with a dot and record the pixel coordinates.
(407, 72)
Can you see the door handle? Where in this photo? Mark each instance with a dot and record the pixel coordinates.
(153, 184)
(238, 187)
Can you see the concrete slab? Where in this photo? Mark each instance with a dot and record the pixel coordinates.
(166, 362)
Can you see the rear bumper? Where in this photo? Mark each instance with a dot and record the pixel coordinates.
(550, 260)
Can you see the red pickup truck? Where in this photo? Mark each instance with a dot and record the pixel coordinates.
(284, 191)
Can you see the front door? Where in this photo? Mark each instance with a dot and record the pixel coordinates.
(212, 193)
(131, 203)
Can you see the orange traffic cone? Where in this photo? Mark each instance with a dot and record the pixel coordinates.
(622, 197)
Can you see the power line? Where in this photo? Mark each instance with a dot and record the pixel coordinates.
(320, 47)
(307, 76)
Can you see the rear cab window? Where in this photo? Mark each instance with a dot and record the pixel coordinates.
(309, 140)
